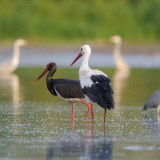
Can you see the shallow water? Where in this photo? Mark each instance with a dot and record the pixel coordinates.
(36, 125)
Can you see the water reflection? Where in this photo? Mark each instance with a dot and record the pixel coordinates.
(119, 81)
(89, 149)
(9, 84)
(83, 147)
(152, 121)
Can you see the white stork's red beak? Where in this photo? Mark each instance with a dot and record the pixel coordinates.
(44, 72)
(79, 55)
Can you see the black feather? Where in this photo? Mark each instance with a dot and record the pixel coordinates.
(67, 88)
(100, 78)
(101, 91)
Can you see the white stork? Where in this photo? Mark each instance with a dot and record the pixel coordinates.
(95, 84)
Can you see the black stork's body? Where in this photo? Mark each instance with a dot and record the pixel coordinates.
(67, 89)
(96, 85)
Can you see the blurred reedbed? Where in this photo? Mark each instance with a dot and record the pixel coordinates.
(74, 21)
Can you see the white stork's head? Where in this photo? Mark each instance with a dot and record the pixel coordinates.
(84, 50)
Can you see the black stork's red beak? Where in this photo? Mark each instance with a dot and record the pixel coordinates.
(79, 55)
(44, 72)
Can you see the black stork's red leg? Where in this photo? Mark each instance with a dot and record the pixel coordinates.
(89, 107)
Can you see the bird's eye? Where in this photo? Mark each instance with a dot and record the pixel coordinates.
(81, 49)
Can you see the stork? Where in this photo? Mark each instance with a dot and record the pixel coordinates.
(10, 66)
(95, 84)
(67, 89)
(121, 64)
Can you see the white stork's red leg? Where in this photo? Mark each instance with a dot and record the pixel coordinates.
(92, 114)
(89, 107)
(105, 110)
(72, 111)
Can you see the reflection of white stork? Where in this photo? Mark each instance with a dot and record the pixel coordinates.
(120, 63)
(95, 84)
(11, 65)
(122, 70)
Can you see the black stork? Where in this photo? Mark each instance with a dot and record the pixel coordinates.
(67, 89)
(95, 84)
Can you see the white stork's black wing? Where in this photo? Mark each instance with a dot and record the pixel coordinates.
(100, 91)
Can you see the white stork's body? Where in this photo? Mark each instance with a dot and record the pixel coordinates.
(94, 83)
(10, 66)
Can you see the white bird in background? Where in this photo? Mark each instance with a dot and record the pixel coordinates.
(122, 70)
(10, 66)
(120, 63)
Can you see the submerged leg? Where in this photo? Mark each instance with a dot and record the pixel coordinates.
(105, 110)
(89, 107)
(72, 111)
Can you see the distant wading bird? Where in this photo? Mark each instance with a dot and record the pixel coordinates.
(67, 89)
(96, 85)
(120, 63)
(122, 69)
(153, 101)
(10, 66)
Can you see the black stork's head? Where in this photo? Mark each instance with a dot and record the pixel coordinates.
(50, 67)
(84, 50)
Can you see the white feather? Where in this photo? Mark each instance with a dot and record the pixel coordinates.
(10, 66)
(85, 72)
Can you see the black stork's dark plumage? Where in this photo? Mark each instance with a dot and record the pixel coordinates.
(67, 89)
(96, 85)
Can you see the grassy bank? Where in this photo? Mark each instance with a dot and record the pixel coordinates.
(79, 20)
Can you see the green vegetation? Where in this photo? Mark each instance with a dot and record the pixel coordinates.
(78, 20)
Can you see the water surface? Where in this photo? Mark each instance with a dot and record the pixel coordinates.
(36, 125)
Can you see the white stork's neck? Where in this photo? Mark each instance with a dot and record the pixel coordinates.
(84, 64)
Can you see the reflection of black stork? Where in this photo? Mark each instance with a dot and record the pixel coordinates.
(95, 85)
(67, 89)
